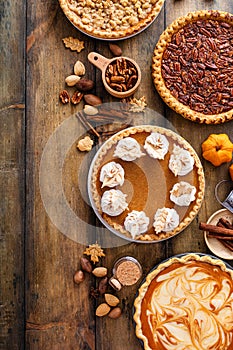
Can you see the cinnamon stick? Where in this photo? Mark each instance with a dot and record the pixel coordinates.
(220, 237)
(226, 223)
(220, 231)
(227, 244)
(86, 124)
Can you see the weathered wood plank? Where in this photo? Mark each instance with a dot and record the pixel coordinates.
(12, 121)
(59, 314)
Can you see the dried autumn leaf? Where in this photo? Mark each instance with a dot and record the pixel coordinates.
(95, 251)
(137, 105)
(73, 44)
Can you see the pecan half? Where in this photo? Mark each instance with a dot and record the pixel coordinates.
(77, 97)
(64, 97)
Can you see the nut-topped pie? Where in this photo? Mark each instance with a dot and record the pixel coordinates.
(186, 303)
(111, 19)
(146, 183)
(192, 66)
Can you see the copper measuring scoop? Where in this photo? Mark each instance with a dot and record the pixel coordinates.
(103, 63)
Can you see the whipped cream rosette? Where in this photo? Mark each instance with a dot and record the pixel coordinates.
(128, 149)
(113, 202)
(181, 162)
(112, 174)
(136, 222)
(182, 193)
(156, 145)
(165, 220)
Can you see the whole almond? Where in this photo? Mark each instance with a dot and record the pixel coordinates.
(115, 49)
(71, 80)
(85, 264)
(79, 68)
(85, 84)
(102, 310)
(92, 100)
(111, 299)
(100, 271)
(79, 276)
(90, 110)
(115, 313)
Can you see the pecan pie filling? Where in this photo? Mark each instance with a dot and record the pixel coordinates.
(197, 66)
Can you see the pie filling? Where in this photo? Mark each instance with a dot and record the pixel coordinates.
(187, 305)
(111, 18)
(197, 66)
(147, 194)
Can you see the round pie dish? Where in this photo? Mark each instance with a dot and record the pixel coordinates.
(186, 302)
(214, 244)
(111, 20)
(192, 66)
(145, 186)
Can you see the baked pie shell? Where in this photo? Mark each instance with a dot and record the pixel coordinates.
(112, 35)
(149, 278)
(97, 163)
(158, 80)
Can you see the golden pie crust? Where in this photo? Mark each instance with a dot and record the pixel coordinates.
(179, 292)
(157, 76)
(142, 190)
(109, 19)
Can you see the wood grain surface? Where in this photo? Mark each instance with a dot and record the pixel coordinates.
(40, 306)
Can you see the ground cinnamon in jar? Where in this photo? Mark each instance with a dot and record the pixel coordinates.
(128, 271)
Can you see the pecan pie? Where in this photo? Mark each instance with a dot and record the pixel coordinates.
(111, 19)
(192, 66)
(186, 303)
(146, 183)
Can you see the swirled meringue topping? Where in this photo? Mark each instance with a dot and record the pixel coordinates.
(182, 193)
(165, 220)
(136, 222)
(128, 149)
(113, 202)
(156, 145)
(189, 306)
(112, 174)
(181, 162)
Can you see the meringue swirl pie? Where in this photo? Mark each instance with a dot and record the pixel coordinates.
(186, 303)
(146, 183)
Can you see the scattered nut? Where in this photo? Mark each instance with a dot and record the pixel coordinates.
(115, 283)
(115, 49)
(111, 299)
(92, 100)
(90, 110)
(64, 97)
(77, 97)
(85, 84)
(102, 287)
(100, 271)
(102, 310)
(85, 144)
(79, 277)
(85, 264)
(71, 80)
(79, 68)
(115, 313)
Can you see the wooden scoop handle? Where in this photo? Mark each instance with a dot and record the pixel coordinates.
(98, 60)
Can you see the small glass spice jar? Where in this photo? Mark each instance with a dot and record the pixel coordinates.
(126, 272)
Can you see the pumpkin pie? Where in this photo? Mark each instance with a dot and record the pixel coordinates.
(110, 19)
(146, 183)
(192, 66)
(186, 303)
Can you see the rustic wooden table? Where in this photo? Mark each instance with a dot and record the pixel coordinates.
(40, 306)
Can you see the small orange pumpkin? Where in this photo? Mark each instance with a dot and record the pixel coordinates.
(231, 171)
(217, 149)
